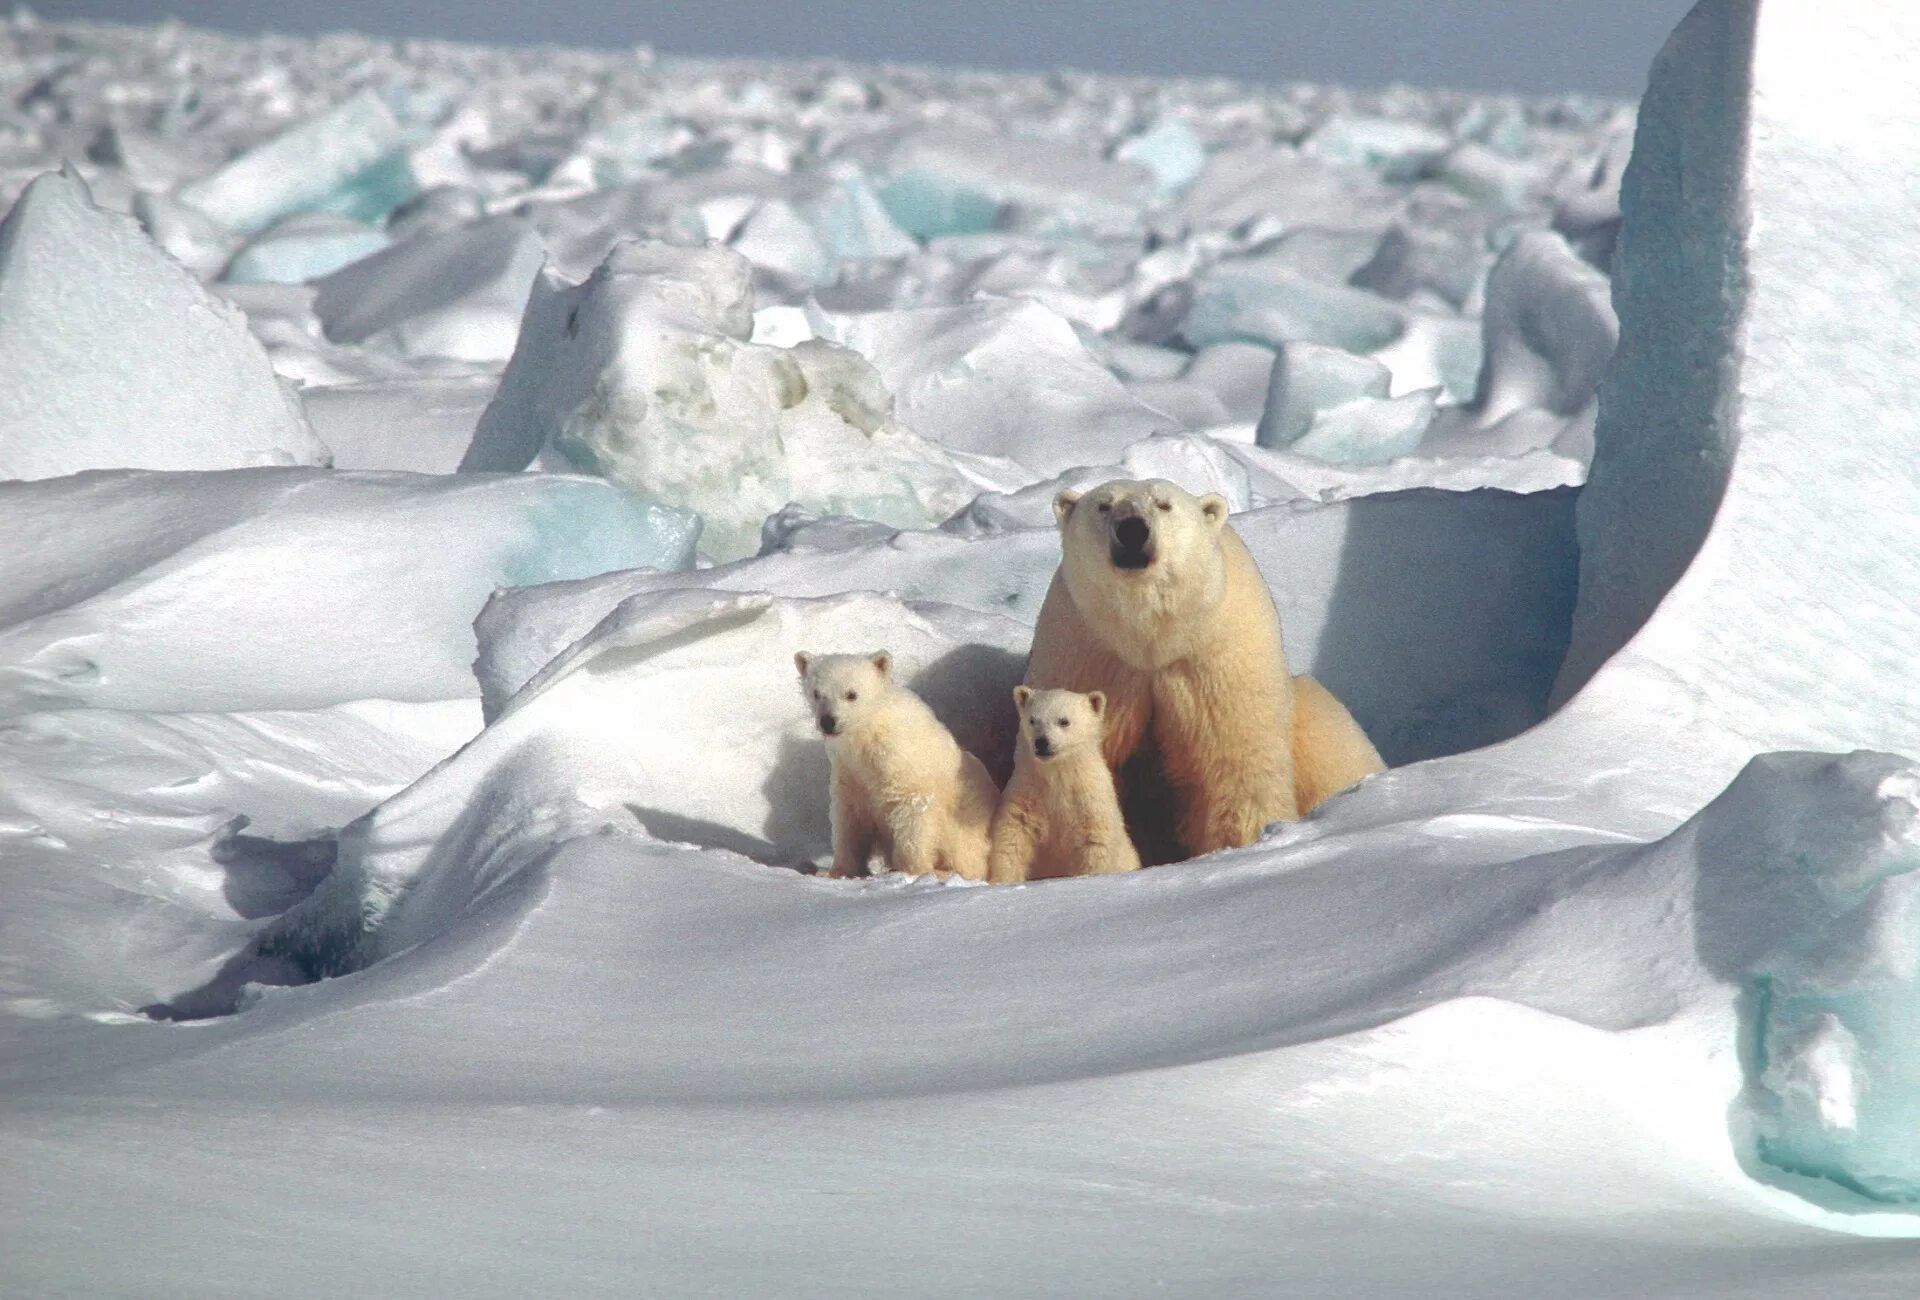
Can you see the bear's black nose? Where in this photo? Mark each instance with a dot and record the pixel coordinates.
(1042, 746)
(828, 725)
(1131, 533)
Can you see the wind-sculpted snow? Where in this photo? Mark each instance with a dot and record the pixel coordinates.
(449, 831)
(669, 713)
(286, 589)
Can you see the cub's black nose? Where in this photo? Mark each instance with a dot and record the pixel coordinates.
(1131, 533)
(1042, 746)
(829, 726)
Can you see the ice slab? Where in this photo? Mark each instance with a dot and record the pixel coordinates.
(113, 355)
(946, 180)
(304, 247)
(1399, 150)
(349, 160)
(1549, 327)
(1280, 184)
(644, 374)
(1170, 150)
(286, 588)
(457, 294)
(1832, 1000)
(1410, 260)
(1258, 303)
(1746, 537)
(421, 424)
(1003, 378)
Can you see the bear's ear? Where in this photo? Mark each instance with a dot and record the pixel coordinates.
(1215, 508)
(800, 661)
(1021, 694)
(883, 661)
(1063, 503)
(1097, 701)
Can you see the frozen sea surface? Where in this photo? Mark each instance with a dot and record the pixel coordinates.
(426, 460)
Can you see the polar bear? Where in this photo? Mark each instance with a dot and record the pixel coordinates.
(1158, 604)
(901, 783)
(1060, 815)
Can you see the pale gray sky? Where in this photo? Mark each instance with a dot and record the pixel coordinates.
(1536, 46)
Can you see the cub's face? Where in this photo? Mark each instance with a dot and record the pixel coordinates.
(1059, 722)
(842, 690)
(1133, 528)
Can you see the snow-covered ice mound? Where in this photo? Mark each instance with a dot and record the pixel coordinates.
(448, 830)
(287, 589)
(645, 373)
(97, 330)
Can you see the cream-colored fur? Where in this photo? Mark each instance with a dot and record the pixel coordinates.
(1060, 815)
(1182, 636)
(901, 783)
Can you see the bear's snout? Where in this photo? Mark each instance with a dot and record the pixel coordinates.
(1131, 541)
(829, 725)
(1042, 747)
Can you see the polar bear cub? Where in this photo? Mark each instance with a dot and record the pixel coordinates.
(1060, 815)
(901, 783)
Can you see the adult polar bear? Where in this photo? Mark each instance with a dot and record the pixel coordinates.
(1158, 604)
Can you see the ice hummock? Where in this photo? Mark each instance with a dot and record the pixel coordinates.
(288, 588)
(644, 374)
(349, 160)
(111, 354)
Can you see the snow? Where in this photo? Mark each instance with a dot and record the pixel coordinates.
(374, 581)
(97, 326)
(442, 822)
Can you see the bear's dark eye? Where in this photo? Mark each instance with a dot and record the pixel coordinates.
(1164, 505)
(852, 696)
(1065, 723)
(1105, 506)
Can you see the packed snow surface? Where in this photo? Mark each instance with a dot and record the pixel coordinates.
(423, 463)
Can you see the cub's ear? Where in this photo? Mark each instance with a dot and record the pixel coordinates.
(1097, 701)
(1215, 508)
(1021, 694)
(883, 661)
(800, 660)
(1063, 503)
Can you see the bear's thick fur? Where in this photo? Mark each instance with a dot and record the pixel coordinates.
(1060, 815)
(901, 783)
(1158, 604)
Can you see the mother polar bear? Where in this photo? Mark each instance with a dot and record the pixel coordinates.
(1158, 603)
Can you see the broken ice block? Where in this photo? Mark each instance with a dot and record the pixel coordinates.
(303, 248)
(998, 377)
(111, 354)
(645, 374)
(1398, 150)
(287, 588)
(946, 180)
(455, 294)
(1309, 378)
(1823, 925)
(1549, 326)
(1266, 304)
(350, 160)
(1170, 150)
(1333, 406)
